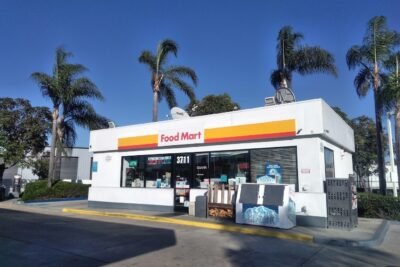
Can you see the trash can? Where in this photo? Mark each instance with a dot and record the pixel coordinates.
(200, 209)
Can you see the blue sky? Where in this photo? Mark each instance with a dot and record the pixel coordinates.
(230, 45)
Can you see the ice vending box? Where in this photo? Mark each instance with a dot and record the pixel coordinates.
(270, 205)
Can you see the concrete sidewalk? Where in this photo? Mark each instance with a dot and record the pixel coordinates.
(369, 233)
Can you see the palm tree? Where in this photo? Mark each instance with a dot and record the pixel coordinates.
(64, 87)
(51, 87)
(76, 110)
(391, 99)
(165, 78)
(369, 58)
(293, 57)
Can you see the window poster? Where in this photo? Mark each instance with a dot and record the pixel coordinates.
(272, 174)
(133, 163)
(224, 178)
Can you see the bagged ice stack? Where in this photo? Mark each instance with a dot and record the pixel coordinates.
(266, 205)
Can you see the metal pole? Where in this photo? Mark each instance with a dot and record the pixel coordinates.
(391, 157)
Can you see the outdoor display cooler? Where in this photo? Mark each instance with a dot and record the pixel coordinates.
(270, 205)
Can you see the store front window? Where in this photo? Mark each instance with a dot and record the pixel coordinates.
(274, 165)
(229, 167)
(133, 171)
(158, 171)
(201, 170)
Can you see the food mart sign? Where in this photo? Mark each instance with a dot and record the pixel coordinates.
(228, 134)
(173, 137)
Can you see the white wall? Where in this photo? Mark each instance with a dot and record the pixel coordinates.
(147, 196)
(342, 159)
(84, 156)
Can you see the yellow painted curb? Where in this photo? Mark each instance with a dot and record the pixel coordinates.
(213, 226)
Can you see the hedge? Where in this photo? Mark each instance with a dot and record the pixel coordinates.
(38, 190)
(378, 206)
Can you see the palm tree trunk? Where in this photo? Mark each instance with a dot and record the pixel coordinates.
(397, 139)
(284, 83)
(57, 163)
(52, 147)
(59, 150)
(379, 142)
(155, 106)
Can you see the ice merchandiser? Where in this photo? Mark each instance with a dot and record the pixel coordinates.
(270, 205)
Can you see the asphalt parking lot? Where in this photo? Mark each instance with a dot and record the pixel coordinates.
(37, 239)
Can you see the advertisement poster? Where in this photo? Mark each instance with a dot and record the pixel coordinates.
(273, 171)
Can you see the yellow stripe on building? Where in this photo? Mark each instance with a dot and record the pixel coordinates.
(138, 140)
(251, 129)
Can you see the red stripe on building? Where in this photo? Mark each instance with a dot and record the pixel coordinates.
(137, 146)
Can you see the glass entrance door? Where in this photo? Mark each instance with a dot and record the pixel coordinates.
(183, 176)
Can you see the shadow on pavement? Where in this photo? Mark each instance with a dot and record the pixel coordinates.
(257, 251)
(32, 239)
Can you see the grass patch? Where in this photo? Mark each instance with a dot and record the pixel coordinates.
(38, 190)
(378, 206)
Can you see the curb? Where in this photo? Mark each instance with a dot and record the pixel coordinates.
(54, 200)
(213, 226)
(376, 240)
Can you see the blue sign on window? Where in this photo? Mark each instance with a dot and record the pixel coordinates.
(94, 166)
(224, 178)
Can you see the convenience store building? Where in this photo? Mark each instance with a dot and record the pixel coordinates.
(163, 166)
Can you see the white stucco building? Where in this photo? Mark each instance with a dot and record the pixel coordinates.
(164, 165)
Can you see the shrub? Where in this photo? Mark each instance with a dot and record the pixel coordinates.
(38, 190)
(378, 206)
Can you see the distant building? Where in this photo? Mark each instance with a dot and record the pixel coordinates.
(371, 183)
(74, 167)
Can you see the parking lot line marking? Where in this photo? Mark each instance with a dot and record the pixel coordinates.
(206, 225)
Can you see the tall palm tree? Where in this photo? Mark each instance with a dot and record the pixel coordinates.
(391, 99)
(369, 58)
(76, 110)
(51, 87)
(294, 57)
(165, 78)
(64, 87)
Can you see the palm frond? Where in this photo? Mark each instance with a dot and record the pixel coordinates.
(363, 81)
(287, 42)
(379, 39)
(314, 59)
(183, 86)
(393, 61)
(167, 92)
(354, 57)
(85, 88)
(70, 135)
(390, 94)
(277, 77)
(181, 71)
(47, 86)
(164, 48)
(83, 114)
(146, 57)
